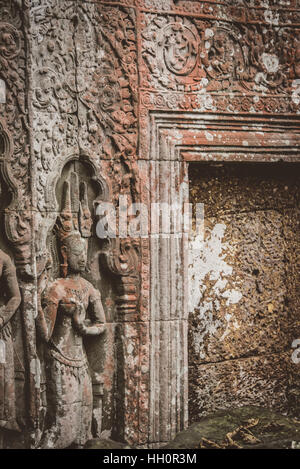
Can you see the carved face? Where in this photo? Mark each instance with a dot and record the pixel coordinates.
(76, 253)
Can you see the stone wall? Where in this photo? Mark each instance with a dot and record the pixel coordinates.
(248, 316)
(106, 98)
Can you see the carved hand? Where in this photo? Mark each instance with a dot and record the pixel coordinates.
(100, 327)
(78, 321)
(85, 327)
(70, 308)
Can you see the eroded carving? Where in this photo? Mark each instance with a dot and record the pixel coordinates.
(10, 302)
(70, 74)
(121, 258)
(202, 54)
(9, 40)
(171, 51)
(69, 310)
(224, 58)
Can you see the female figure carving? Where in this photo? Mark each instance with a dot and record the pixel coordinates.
(70, 310)
(7, 379)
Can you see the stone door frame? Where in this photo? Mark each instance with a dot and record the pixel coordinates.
(174, 140)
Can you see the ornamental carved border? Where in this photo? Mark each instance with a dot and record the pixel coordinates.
(197, 54)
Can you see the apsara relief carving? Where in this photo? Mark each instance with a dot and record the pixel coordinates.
(9, 306)
(63, 321)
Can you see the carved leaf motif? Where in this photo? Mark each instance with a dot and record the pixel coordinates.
(218, 55)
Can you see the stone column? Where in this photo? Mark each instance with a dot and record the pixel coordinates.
(168, 297)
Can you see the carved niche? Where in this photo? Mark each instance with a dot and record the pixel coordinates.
(70, 309)
(10, 299)
(75, 267)
(10, 302)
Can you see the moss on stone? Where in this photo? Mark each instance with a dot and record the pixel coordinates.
(269, 430)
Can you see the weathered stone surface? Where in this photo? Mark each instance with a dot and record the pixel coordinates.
(105, 444)
(256, 380)
(243, 325)
(126, 95)
(249, 427)
(9, 305)
(63, 322)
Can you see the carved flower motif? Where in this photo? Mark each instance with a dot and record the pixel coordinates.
(124, 119)
(222, 103)
(271, 104)
(9, 41)
(172, 101)
(108, 98)
(147, 99)
(259, 105)
(246, 104)
(235, 104)
(159, 100)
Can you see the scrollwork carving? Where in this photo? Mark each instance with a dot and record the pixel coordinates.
(224, 57)
(171, 51)
(12, 71)
(110, 92)
(85, 88)
(214, 55)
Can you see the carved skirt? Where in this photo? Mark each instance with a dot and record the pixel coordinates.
(69, 404)
(7, 381)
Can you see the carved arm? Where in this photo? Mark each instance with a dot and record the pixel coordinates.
(46, 318)
(96, 325)
(9, 274)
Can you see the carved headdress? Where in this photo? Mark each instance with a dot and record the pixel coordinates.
(75, 217)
